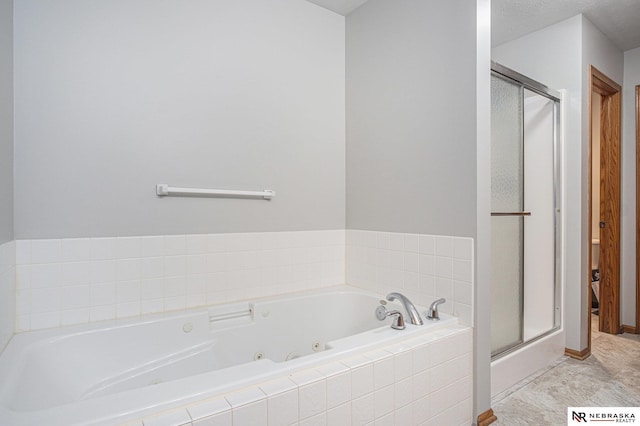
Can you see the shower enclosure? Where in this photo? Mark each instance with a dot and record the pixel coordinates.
(525, 277)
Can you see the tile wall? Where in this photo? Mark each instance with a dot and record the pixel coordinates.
(78, 280)
(7, 292)
(72, 281)
(423, 267)
(424, 381)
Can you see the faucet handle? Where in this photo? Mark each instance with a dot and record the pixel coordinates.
(432, 313)
(398, 320)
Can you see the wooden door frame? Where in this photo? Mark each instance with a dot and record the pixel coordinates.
(610, 118)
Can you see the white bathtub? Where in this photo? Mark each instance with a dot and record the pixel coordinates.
(114, 371)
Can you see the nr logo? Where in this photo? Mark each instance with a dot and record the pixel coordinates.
(579, 417)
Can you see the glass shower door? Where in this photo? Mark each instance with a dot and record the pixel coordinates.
(507, 227)
(524, 232)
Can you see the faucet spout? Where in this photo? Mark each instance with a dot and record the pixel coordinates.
(412, 312)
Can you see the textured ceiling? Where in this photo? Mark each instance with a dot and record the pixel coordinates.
(343, 7)
(619, 20)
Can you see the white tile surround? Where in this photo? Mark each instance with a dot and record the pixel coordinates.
(78, 280)
(423, 267)
(72, 281)
(7, 292)
(424, 381)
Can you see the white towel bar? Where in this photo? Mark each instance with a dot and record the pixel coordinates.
(163, 190)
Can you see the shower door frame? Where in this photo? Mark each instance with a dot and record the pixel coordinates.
(525, 82)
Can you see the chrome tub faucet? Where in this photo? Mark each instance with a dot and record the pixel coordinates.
(413, 317)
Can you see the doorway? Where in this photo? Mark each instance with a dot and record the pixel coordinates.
(604, 188)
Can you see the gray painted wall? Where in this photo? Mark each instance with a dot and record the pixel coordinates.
(114, 97)
(6, 121)
(7, 251)
(411, 117)
(628, 164)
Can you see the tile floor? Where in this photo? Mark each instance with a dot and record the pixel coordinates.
(610, 377)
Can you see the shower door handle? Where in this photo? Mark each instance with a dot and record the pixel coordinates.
(510, 213)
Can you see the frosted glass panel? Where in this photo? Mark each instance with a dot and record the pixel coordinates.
(507, 183)
(506, 147)
(506, 276)
(539, 230)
